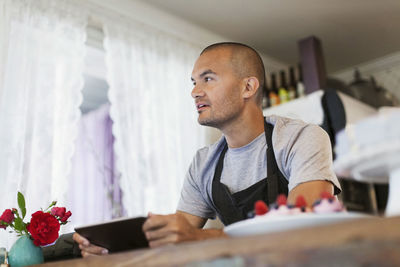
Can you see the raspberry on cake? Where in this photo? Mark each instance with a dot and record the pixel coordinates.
(260, 208)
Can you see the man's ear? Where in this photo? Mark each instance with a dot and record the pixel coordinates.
(250, 87)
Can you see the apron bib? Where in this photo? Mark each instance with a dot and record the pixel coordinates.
(232, 208)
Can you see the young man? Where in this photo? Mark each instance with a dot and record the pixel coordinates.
(255, 159)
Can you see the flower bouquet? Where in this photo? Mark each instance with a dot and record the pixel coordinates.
(41, 230)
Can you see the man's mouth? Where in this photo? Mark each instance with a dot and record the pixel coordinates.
(201, 106)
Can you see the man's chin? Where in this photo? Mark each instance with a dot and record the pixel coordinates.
(207, 122)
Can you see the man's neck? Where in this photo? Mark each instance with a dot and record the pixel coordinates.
(244, 130)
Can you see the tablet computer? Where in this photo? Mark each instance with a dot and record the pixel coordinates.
(116, 235)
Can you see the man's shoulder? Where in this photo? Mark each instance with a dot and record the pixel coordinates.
(286, 129)
(207, 151)
(281, 122)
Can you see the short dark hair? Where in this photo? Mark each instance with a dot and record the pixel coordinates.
(246, 61)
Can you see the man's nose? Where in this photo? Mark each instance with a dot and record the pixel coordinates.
(197, 92)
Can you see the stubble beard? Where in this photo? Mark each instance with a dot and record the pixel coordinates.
(221, 119)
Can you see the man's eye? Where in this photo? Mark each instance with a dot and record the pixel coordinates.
(207, 79)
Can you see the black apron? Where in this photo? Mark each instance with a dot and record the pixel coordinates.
(235, 207)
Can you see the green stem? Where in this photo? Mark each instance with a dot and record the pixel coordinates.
(51, 205)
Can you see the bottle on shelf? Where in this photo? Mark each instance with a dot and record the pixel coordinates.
(282, 92)
(300, 85)
(292, 88)
(273, 92)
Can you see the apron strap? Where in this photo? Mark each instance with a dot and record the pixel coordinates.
(220, 164)
(272, 167)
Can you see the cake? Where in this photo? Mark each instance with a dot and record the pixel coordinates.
(326, 204)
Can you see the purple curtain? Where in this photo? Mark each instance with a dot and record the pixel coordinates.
(94, 194)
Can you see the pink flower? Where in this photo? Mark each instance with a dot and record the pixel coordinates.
(61, 213)
(58, 211)
(7, 217)
(66, 216)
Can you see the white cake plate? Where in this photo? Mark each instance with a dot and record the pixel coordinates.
(280, 223)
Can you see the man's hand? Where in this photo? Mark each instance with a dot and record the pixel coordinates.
(165, 229)
(175, 228)
(88, 249)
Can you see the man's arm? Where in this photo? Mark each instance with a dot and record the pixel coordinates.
(311, 191)
(305, 156)
(181, 226)
(175, 228)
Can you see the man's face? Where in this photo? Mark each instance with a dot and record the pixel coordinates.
(216, 89)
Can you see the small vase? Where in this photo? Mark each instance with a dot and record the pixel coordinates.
(24, 253)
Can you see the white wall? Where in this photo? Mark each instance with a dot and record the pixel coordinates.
(147, 14)
(386, 71)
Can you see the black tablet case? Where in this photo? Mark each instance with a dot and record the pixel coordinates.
(116, 235)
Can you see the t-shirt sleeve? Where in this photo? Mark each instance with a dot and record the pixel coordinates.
(192, 200)
(308, 157)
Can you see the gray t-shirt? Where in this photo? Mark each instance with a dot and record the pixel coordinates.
(302, 151)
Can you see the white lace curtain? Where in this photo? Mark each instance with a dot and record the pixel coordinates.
(155, 122)
(41, 58)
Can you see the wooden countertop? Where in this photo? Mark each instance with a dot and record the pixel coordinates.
(363, 242)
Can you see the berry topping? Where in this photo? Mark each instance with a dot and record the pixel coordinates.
(281, 200)
(326, 195)
(317, 202)
(301, 202)
(250, 214)
(273, 206)
(260, 207)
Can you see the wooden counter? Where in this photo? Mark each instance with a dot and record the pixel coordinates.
(364, 242)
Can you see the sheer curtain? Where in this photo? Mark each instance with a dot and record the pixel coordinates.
(155, 122)
(41, 58)
(95, 194)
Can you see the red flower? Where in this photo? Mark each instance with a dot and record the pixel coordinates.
(44, 228)
(7, 217)
(66, 216)
(58, 211)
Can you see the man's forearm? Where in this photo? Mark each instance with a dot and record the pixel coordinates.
(203, 234)
(311, 191)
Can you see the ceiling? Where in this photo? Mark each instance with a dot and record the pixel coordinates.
(352, 31)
